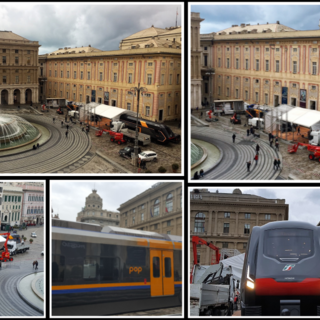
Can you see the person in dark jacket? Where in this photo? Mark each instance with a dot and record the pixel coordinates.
(196, 176)
(257, 148)
(248, 165)
(233, 137)
(278, 164)
(271, 142)
(275, 164)
(248, 132)
(67, 134)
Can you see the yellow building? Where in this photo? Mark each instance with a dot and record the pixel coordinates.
(268, 64)
(87, 74)
(18, 69)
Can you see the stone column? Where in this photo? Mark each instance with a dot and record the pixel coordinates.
(22, 96)
(237, 222)
(216, 223)
(257, 218)
(10, 97)
(209, 229)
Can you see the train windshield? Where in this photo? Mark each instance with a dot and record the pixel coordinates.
(288, 244)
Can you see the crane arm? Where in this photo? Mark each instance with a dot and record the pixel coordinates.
(197, 240)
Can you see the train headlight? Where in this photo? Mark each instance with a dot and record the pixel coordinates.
(250, 284)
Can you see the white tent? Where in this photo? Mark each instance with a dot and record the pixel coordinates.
(111, 112)
(303, 117)
(236, 263)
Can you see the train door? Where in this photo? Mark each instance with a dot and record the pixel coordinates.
(161, 272)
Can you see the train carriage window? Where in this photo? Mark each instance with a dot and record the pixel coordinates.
(288, 244)
(90, 268)
(167, 267)
(74, 269)
(156, 267)
(136, 256)
(177, 265)
(109, 269)
(58, 268)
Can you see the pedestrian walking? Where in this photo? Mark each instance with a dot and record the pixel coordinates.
(257, 148)
(251, 130)
(67, 127)
(53, 119)
(248, 165)
(248, 132)
(36, 264)
(201, 114)
(233, 137)
(61, 124)
(87, 130)
(201, 173)
(270, 136)
(275, 164)
(256, 157)
(196, 176)
(277, 145)
(271, 142)
(278, 164)
(38, 146)
(83, 129)
(67, 134)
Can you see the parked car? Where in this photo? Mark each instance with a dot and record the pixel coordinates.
(33, 235)
(127, 151)
(148, 156)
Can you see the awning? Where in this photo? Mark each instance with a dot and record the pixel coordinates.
(110, 112)
(302, 117)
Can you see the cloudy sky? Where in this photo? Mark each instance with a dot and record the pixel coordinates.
(219, 17)
(80, 24)
(303, 202)
(69, 196)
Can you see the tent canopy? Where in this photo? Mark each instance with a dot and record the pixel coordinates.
(109, 112)
(302, 117)
(236, 262)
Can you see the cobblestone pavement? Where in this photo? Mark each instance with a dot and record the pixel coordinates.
(294, 166)
(12, 272)
(174, 312)
(91, 163)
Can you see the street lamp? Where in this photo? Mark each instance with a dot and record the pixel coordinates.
(137, 89)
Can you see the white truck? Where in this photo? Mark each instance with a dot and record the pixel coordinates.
(14, 247)
(314, 138)
(130, 135)
(256, 122)
(228, 106)
(73, 114)
(213, 292)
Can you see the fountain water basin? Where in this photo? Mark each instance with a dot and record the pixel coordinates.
(16, 131)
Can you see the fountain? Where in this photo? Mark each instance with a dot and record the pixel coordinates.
(196, 153)
(15, 132)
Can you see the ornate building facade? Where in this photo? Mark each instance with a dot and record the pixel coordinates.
(227, 219)
(92, 212)
(18, 69)
(107, 76)
(196, 80)
(268, 64)
(158, 209)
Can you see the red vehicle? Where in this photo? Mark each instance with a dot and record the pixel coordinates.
(116, 137)
(5, 255)
(196, 241)
(235, 119)
(314, 150)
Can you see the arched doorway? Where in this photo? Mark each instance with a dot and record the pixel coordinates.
(28, 95)
(16, 96)
(4, 96)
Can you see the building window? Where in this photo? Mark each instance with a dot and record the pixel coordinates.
(294, 85)
(247, 215)
(227, 214)
(237, 93)
(205, 60)
(257, 96)
(277, 66)
(88, 75)
(313, 87)
(219, 62)
(149, 79)
(225, 245)
(244, 246)
(314, 68)
(206, 87)
(100, 76)
(55, 73)
(228, 49)
(226, 228)
(227, 92)
(162, 79)
(17, 79)
(199, 222)
(295, 49)
(237, 63)
(60, 94)
(142, 216)
(178, 78)
(115, 77)
(130, 78)
(80, 97)
(247, 49)
(61, 74)
(267, 49)
(75, 75)
(266, 98)
(4, 50)
(169, 203)
(16, 60)
(68, 74)
(128, 106)
(168, 223)
(267, 217)
(4, 79)
(74, 96)
(147, 111)
(294, 66)
(247, 229)
(125, 223)
(277, 49)
(29, 79)
(170, 78)
(267, 82)
(247, 64)
(219, 91)
(156, 207)
(246, 95)
(267, 65)
(81, 75)
(257, 49)
(257, 65)
(228, 63)
(314, 49)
